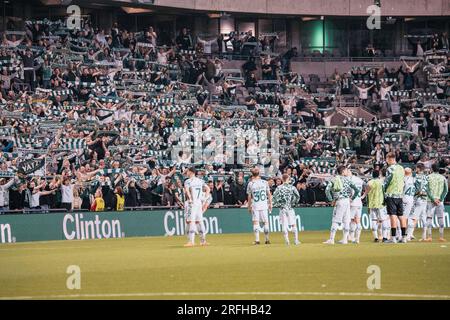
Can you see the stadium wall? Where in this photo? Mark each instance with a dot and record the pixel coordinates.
(314, 7)
(101, 225)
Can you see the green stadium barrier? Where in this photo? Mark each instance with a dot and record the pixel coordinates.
(98, 225)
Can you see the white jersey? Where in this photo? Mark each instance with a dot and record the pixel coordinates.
(409, 189)
(259, 191)
(195, 188)
(359, 183)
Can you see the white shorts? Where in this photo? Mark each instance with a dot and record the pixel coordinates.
(435, 210)
(408, 205)
(355, 211)
(260, 215)
(341, 212)
(419, 210)
(379, 214)
(287, 217)
(193, 212)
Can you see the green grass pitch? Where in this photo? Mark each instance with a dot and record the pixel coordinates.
(230, 268)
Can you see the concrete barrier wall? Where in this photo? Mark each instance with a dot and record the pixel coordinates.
(316, 7)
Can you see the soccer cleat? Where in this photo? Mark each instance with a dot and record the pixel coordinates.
(297, 243)
(204, 243)
(412, 238)
(403, 240)
(267, 242)
(393, 240)
(428, 240)
(343, 241)
(329, 241)
(355, 241)
(189, 244)
(376, 240)
(288, 243)
(442, 240)
(256, 242)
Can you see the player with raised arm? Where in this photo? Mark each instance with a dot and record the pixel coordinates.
(285, 197)
(194, 188)
(356, 209)
(259, 204)
(437, 191)
(420, 204)
(338, 192)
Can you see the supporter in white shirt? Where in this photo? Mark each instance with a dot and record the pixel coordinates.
(162, 56)
(206, 45)
(443, 126)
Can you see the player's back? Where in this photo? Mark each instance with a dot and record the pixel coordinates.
(409, 188)
(359, 183)
(375, 195)
(258, 189)
(195, 187)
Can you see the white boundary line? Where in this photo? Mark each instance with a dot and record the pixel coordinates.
(185, 294)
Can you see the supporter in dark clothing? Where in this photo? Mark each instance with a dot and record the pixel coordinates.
(239, 191)
(146, 194)
(184, 41)
(286, 59)
(131, 196)
(249, 66)
(218, 193)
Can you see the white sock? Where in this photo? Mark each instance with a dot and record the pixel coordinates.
(266, 231)
(202, 231)
(334, 227)
(358, 231)
(352, 230)
(346, 232)
(295, 231)
(256, 231)
(375, 229)
(429, 226)
(441, 227)
(410, 230)
(386, 228)
(286, 236)
(423, 220)
(192, 232)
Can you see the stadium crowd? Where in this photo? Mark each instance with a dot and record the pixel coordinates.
(89, 118)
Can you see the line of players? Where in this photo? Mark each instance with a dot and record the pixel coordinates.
(396, 203)
(198, 198)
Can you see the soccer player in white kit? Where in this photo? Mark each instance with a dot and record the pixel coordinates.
(259, 203)
(419, 211)
(437, 191)
(409, 190)
(356, 210)
(338, 192)
(285, 197)
(196, 191)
